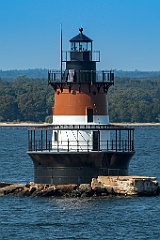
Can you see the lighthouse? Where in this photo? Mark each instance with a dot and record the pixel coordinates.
(80, 144)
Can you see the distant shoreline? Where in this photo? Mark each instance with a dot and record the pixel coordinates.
(23, 124)
(27, 124)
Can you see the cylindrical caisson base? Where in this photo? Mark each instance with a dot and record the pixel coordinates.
(77, 168)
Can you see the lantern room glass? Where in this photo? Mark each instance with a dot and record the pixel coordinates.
(80, 46)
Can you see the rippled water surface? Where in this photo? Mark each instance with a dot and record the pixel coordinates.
(88, 218)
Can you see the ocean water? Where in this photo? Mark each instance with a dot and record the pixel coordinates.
(68, 218)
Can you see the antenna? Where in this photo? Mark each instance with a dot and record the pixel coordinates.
(61, 49)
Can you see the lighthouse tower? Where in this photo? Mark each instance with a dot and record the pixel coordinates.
(81, 97)
(80, 144)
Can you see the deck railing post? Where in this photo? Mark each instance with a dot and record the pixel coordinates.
(77, 146)
(116, 140)
(88, 145)
(34, 135)
(57, 146)
(49, 145)
(112, 145)
(68, 145)
(46, 139)
(29, 140)
(123, 145)
(41, 140)
(132, 145)
(99, 140)
(120, 140)
(128, 140)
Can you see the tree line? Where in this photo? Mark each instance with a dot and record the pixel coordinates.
(130, 100)
(25, 100)
(133, 100)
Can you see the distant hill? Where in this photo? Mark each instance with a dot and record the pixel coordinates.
(29, 73)
(137, 74)
(42, 73)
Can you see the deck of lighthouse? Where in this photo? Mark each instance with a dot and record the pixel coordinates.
(121, 138)
(84, 79)
(76, 160)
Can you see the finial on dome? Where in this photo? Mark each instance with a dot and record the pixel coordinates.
(81, 30)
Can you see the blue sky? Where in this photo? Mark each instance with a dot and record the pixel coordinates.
(125, 31)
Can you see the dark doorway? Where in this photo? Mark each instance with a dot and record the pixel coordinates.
(89, 115)
(96, 140)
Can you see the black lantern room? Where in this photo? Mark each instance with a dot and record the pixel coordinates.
(81, 57)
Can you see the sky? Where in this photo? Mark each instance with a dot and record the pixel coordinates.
(125, 31)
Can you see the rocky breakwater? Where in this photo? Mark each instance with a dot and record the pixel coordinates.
(45, 190)
(102, 186)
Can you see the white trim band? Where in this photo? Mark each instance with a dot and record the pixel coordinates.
(99, 119)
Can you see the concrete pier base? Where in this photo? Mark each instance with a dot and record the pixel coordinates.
(127, 185)
(101, 186)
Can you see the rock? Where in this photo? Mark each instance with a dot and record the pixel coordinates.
(102, 186)
(87, 194)
(4, 184)
(76, 193)
(85, 190)
(158, 190)
(66, 188)
(50, 191)
(39, 187)
(32, 189)
(23, 192)
(98, 187)
(10, 189)
(129, 185)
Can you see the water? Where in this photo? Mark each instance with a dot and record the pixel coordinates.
(89, 218)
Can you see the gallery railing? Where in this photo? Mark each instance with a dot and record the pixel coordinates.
(41, 139)
(70, 146)
(80, 76)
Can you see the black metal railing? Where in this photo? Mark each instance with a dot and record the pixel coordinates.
(70, 146)
(120, 139)
(80, 76)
